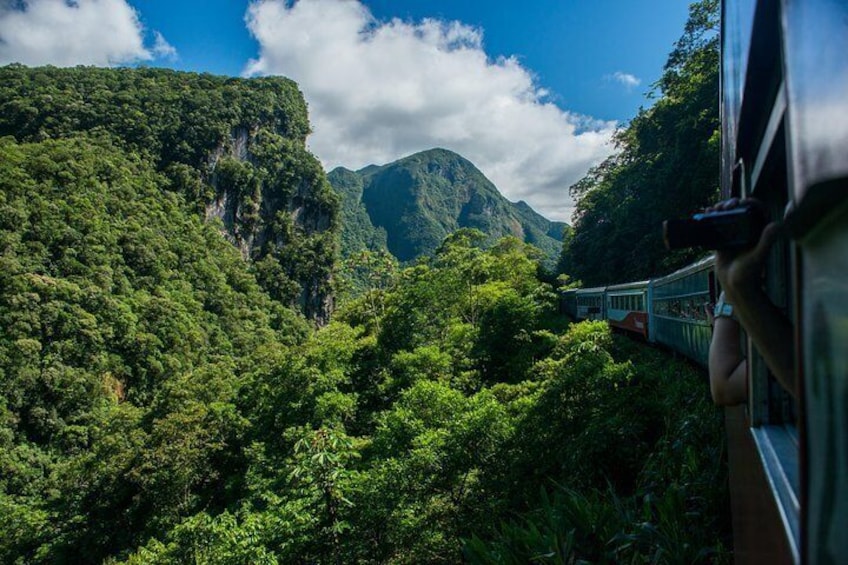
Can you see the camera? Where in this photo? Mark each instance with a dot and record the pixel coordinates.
(736, 228)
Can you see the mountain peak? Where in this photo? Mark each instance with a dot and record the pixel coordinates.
(415, 202)
(440, 157)
(436, 153)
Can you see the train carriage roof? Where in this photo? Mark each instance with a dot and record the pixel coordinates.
(593, 290)
(704, 264)
(638, 285)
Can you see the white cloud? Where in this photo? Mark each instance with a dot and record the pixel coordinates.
(629, 81)
(161, 47)
(74, 32)
(378, 91)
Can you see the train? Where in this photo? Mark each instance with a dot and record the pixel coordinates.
(668, 310)
(784, 141)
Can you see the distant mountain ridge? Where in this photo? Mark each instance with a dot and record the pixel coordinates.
(410, 206)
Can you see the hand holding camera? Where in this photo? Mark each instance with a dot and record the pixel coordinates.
(740, 233)
(730, 225)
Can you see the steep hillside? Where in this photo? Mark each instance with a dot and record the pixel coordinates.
(127, 327)
(357, 233)
(420, 199)
(234, 148)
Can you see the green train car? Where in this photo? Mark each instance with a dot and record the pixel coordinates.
(677, 315)
(627, 307)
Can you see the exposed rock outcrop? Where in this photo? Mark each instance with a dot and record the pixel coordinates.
(271, 207)
(235, 149)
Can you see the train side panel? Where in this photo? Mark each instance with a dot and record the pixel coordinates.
(634, 322)
(627, 307)
(825, 370)
(568, 303)
(816, 81)
(678, 314)
(590, 303)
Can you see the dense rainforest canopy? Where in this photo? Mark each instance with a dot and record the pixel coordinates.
(233, 148)
(166, 244)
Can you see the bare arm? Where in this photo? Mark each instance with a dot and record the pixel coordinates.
(770, 331)
(727, 364)
(768, 328)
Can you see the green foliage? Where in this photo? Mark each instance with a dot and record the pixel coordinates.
(367, 275)
(641, 461)
(358, 233)
(158, 407)
(125, 324)
(166, 116)
(478, 405)
(489, 300)
(667, 167)
(219, 540)
(233, 148)
(408, 207)
(568, 528)
(160, 404)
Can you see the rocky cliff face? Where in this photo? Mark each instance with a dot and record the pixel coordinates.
(234, 148)
(276, 212)
(225, 204)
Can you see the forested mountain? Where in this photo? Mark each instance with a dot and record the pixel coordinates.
(667, 166)
(163, 399)
(409, 206)
(234, 149)
(129, 328)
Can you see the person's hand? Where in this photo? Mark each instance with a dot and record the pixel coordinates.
(739, 272)
(709, 310)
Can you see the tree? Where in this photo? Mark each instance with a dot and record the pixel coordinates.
(667, 167)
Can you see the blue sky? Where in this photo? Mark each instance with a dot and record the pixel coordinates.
(573, 46)
(530, 92)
